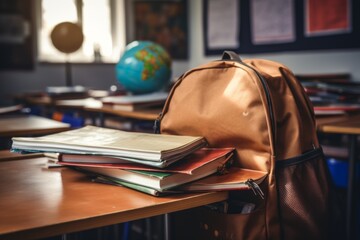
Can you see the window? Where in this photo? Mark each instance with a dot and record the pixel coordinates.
(103, 27)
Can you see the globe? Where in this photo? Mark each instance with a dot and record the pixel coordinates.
(67, 37)
(144, 67)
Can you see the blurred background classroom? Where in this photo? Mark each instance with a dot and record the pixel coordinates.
(64, 61)
(29, 62)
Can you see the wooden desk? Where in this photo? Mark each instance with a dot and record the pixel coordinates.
(10, 109)
(349, 125)
(95, 106)
(7, 155)
(23, 125)
(37, 203)
(43, 99)
(91, 105)
(146, 114)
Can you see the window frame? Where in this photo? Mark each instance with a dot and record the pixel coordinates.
(118, 35)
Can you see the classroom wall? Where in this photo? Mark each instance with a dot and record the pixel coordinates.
(102, 76)
(329, 61)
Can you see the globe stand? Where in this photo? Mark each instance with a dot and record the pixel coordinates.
(67, 37)
(69, 82)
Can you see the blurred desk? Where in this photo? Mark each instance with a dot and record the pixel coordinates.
(150, 114)
(41, 98)
(323, 119)
(24, 125)
(38, 203)
(90, 105)
(10, 109)
(6, 155)
(48, 103)
(349, 125)
(96, 109)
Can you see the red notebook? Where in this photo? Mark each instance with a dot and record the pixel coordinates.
(186, 165)
(336, 109)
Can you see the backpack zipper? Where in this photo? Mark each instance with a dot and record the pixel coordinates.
(255, 187)
(268, 99)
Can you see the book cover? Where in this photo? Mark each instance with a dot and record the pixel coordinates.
(234, 179)
(135, 102)
(118, 182)
(10, 109)
(160, 180)
(156, 97)
(80, 159)
(57, 90)
(336, 108)
(187, 165)
(112, 142)
(353, 89)
(67, 92)
(137, 107)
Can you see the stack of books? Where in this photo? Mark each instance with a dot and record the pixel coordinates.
(156, 164)
(135, 102)
(10, 109)
(333, 94)
(67, 92)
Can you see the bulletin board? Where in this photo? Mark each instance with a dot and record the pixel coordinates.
(297, 25)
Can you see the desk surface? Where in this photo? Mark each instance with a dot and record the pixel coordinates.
(93, 105)
(146, 114)
(7, 155)
(37, 202)
(21, 125)
(42, 98)
(349, 125)
(343, 125)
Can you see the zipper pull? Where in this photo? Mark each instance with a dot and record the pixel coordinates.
(156, 127)
(255, 188)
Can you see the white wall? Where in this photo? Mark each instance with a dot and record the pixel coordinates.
(102, 76)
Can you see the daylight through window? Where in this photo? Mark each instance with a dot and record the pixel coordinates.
(102, 22)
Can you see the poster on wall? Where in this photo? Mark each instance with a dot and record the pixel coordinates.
(163, 22)
(327, 17)
(272, 21)
(223, 13)
(266, 26)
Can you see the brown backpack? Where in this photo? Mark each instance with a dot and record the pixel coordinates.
(258, 107)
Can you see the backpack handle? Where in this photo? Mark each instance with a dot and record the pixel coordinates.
(230, 55)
